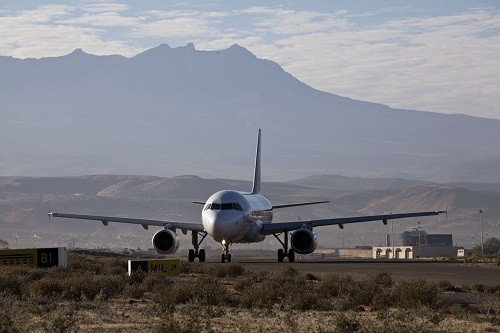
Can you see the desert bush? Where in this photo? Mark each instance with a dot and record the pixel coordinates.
(88, 286)
(413, 294)
(203, 290)
(7, 324)
(157, 281)
(84, 263)
(45, 287)
(354, 292)
(64, 320)
(11, 284)
(114, 266)
(382, 279)
(223, 271)
(14, 279)
(285, 286)
(346, 324)
(444, 285)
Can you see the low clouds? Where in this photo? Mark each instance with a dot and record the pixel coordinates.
(442, 63)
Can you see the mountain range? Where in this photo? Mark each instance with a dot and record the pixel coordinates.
(172, 111)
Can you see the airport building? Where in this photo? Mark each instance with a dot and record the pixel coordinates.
(419, 244)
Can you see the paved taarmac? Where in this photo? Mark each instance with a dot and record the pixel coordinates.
(455, 272)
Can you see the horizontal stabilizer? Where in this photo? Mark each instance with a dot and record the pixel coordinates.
(299, 204)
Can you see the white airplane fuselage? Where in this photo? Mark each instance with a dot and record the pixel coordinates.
(236, 217)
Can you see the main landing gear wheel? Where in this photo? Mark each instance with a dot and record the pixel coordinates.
(196, 253)
(201, 255)
(285, 252)
(281, 255)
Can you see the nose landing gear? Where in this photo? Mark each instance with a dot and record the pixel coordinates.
(226, 256)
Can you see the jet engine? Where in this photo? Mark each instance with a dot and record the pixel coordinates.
(165, 241)
(304, 241)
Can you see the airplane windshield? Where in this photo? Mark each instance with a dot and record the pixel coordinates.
(224, 206)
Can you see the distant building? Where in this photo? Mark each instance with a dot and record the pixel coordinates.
(419, 244)
(416, 237)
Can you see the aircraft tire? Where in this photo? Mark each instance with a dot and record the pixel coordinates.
(291, 255)
(201, 255)
(281, 255)
(223, 258)
(191, 255)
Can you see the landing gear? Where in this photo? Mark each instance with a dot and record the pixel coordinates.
(226, 256)
(196, 253)
(285, 252)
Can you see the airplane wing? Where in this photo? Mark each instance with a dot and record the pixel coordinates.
(184, 226)
(277, 227)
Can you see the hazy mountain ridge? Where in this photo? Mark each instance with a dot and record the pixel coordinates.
(354, 183)
(168, 111)
(457, 201)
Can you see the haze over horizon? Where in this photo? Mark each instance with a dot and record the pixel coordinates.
(439, 57)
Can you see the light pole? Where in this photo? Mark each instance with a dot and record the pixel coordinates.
(481, 224)
(392, 231)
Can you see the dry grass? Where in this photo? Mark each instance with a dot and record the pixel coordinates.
(94, 294)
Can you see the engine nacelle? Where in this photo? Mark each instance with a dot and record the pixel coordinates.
(304, 241)
(165, 241)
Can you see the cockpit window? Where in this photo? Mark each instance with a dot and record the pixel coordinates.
(224, 206)
(227, 206)
(215, 206)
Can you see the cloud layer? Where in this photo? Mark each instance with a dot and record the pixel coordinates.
(411, 59)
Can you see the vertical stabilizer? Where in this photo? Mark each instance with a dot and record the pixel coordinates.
(256, 177)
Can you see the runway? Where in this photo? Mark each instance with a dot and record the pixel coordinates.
(454, 272)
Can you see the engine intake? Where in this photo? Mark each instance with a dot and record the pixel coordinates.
(165, 241)
(304, 241)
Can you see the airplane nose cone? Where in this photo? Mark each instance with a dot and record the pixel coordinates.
(219, 226)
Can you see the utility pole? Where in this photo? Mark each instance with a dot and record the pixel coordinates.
(482, 235)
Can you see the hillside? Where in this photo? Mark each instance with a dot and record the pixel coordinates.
(171, 111)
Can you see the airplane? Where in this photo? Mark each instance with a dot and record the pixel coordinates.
(238, 217)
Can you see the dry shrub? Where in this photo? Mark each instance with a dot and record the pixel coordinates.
(203, 290)
(84, 263)
(285, 286)
(11, 284)
(444, 285)
(45, 287)
(347, 293)
(382, 279)
(225, 270)
(414, 294)
(114, 266)
(14, 279)
(347, 324)
(6, 323)
(88, 286)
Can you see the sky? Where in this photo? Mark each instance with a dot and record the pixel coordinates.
(439, 56)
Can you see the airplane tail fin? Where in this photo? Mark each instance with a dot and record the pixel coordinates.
(256, 177)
